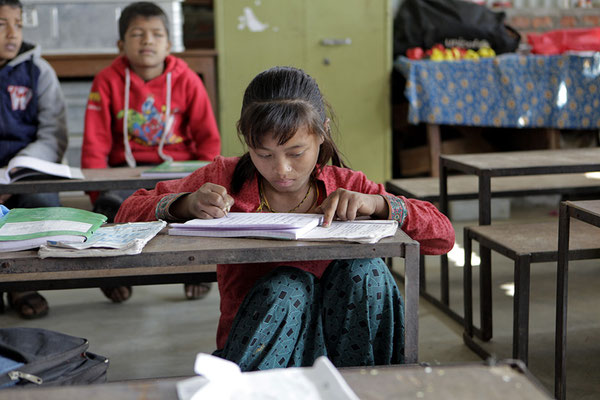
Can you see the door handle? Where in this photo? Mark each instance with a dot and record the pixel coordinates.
(336, 42)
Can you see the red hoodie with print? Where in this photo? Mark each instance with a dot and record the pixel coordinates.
(178, 92)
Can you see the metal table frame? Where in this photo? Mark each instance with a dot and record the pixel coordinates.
(589, 212)
(486, 166)
(525, 244)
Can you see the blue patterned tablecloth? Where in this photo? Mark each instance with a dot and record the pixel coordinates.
(506, 91)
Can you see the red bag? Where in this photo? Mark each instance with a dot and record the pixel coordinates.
(561, 40)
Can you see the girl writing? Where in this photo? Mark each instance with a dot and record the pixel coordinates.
(288, 314)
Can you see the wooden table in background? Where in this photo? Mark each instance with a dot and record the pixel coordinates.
(202, 61)
(118, 178)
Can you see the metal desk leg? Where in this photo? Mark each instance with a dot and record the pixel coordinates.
(443, 303)
(470, 330)
(444, 276)
(485, 268)
(521, 309)
(560, 345)
(468, 283)
(411, 301)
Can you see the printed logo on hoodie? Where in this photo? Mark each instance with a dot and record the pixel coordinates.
(147, 127)
(19, 97)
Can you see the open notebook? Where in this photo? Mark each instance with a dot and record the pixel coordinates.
(25, 167)
(286, 226)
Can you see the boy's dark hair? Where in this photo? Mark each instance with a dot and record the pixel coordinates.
(144, 9)
(12, 3)
(278, 102)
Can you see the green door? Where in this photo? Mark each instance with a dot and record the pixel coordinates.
(344, 44)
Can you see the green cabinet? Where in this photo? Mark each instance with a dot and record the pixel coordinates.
(344, 44)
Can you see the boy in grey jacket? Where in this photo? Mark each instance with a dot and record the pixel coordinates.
(32, 123)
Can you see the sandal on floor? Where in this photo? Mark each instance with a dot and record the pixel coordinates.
(117, 294)
(196, 291)
(30, 305)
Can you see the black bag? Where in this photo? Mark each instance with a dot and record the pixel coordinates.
(452, 23)
(49, 359)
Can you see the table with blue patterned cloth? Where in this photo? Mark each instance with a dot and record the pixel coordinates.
(515, 91)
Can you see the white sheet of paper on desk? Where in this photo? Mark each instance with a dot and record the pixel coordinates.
(362, 231)
(120, 239)
(223, 380)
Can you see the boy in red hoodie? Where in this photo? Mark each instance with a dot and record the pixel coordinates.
(146, 107)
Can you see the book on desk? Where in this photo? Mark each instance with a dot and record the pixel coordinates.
(174, 169)
(107, 241)
(25, 167)
(288, 226)
(28, 228)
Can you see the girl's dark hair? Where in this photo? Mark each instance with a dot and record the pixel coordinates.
(12, 3)
(144, 9)
(278, 102)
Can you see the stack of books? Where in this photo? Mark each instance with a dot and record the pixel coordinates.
(28, 228)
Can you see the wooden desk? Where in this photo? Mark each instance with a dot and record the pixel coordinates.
(464, 187)
(465, 382)
(202, 61)
(118, 178)
(488, 165)
(172, 255)
(586, 211)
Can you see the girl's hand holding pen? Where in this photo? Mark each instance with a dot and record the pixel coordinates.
(210, 201)
(346, 205)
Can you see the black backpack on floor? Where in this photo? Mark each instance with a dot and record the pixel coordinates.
(49, 359)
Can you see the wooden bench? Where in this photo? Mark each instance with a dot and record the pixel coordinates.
(524, 244)
(464, 187)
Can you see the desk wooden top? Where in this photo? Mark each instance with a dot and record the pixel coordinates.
(589, 206)
(462, 187)
(525, 162)
(586, 210)
(540, 239)
(88, 65)
(465, 382)
(95, 179)
(174, 251)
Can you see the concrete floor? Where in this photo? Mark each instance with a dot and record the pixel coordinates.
(158, 333)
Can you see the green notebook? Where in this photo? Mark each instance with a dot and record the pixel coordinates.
(28, 228)
(174, 169)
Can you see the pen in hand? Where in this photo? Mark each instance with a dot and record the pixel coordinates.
(226, 210)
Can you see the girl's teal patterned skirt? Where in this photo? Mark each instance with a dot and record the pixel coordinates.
(354, 315)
